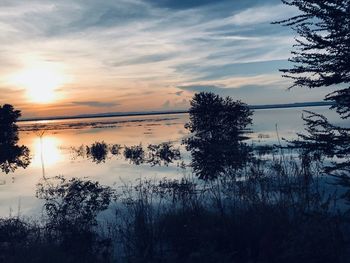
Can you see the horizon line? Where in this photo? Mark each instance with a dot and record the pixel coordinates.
(147, 113)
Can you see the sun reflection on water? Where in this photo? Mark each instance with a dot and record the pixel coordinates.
(46, 151)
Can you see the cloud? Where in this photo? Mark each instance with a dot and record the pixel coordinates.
(177, 93)
(222, 5)
(263, 14)
(260, 94)
(208, 72)
(175, 105)
(201, 88)
(145, 59)
(139, 46)
(96, 104)
(182, 104)
(166, 104)
(183, 4)
(7, 96)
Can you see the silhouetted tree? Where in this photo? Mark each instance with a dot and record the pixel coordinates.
(8, 127)
(322, 53)
(218, 127)
(322, 58)
(323, 137)
(212, 115)
(12, 156)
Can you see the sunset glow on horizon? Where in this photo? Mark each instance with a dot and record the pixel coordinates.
(142, 55)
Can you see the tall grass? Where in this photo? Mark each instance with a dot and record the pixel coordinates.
(275, 209)
(268, 212)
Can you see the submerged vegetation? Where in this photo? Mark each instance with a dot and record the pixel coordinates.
(155, 154)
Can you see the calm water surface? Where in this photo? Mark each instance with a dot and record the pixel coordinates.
(52, 153)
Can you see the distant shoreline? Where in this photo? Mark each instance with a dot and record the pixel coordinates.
(130, 114)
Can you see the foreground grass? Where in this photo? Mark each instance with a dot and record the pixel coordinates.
(269, 211)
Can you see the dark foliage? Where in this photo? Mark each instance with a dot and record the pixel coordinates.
(163, 153)
(322, 58)
(324, 140)
(218, 127)
(270, 216)
(97, 152)
(264, 218)
(135, 154)
(8, 127)
(322, 53)
(115, 149)
(12, 156)
(212, 115)
(251, 236)
(71, 207)
(155, 154)
(69, 234)
(73, 201)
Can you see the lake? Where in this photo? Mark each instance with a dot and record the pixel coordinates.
(57, 148)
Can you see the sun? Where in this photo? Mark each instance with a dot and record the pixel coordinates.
(40, 82)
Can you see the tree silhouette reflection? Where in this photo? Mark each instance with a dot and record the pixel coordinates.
(13, 157)
(154, 154)
(162, 154)
(218, 129)
(324, 140)
(97, 151)
(135, 154)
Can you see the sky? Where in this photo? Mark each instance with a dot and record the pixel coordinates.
(71, 57)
